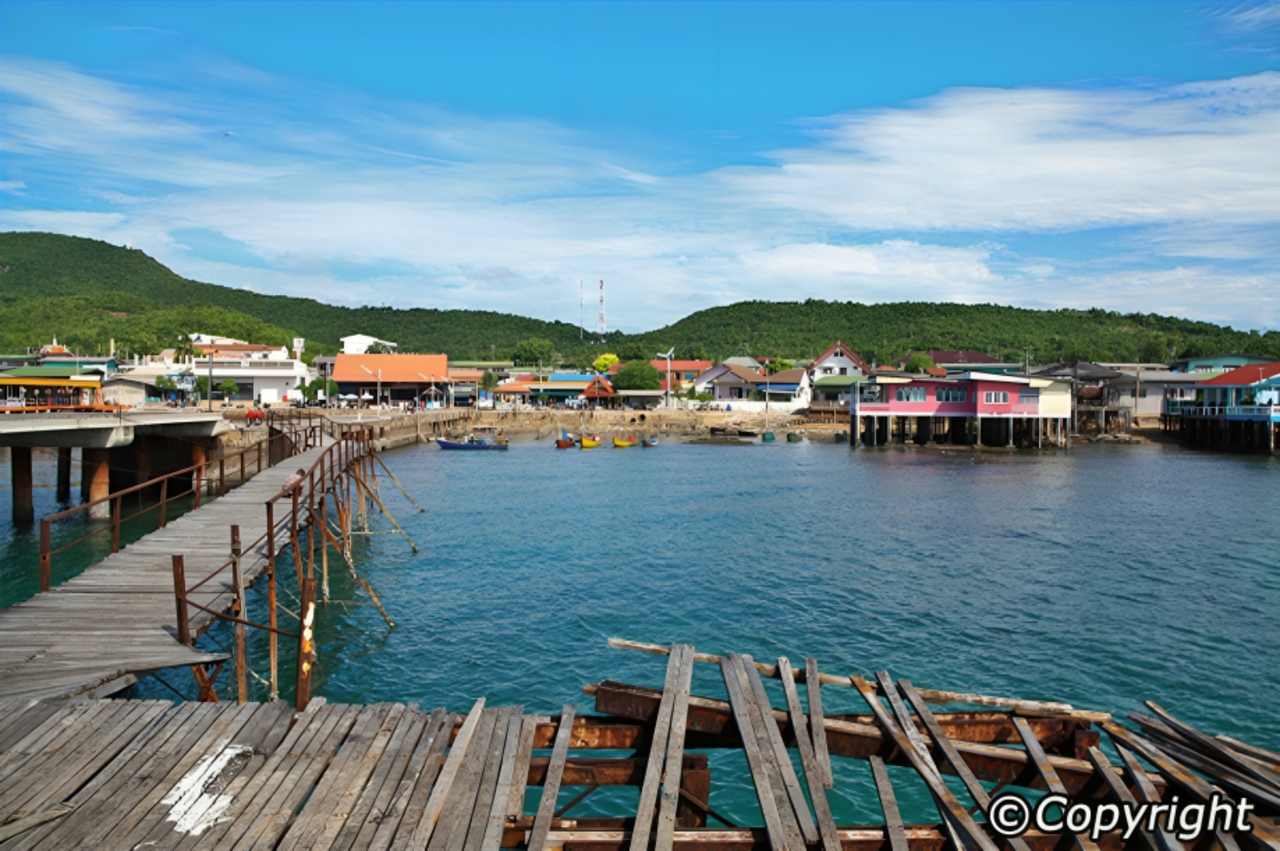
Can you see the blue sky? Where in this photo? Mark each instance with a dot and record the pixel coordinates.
(492, 155)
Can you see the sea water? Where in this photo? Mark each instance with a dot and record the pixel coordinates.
(1102, 577)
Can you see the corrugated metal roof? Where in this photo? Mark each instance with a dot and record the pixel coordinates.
(1254, 373)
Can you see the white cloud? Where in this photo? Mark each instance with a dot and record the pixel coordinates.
(354, 200)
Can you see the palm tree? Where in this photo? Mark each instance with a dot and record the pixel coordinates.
(185, 350)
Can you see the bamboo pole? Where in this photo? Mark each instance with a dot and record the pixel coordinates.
(378, 503)
(396, 482)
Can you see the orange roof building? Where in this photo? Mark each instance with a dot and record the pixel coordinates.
(399, 378)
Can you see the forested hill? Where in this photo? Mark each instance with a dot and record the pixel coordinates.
(88, 292)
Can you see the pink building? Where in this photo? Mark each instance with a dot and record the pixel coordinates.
(966, 409)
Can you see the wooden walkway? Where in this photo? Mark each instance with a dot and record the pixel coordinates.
(118, 616)
(155, 775)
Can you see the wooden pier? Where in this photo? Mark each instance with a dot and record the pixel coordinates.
(152, 774)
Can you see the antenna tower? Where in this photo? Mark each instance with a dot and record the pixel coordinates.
(581, 315)
(600, 329)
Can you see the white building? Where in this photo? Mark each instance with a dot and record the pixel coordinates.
(839, 359)
(267, 382)
(358, 344)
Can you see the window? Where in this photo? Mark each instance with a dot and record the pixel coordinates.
(995, 398)
(844, 370)
(1142, 393)
(1028, 396)
(951, 394)
(909, 394)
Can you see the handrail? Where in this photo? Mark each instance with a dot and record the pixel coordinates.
(295, 435)
(352, 449)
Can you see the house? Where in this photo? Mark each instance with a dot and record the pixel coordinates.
(837, 360)
(787, 386)
(1239, 409)
(358, 344)
(558, 386)
(599, 390)
(395, 380)
(969, 408)
(752, 364)
(728, 382)
(50, 387)
(1216, 363)
(964, 360)
(683, 372)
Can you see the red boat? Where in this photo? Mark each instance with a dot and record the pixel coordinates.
(561, 443)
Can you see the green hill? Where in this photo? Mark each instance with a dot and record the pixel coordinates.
(88, 292)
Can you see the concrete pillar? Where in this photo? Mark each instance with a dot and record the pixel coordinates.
(64, 474)
(20, 469)
(95, 476)
(1010, 427)
(199, 456)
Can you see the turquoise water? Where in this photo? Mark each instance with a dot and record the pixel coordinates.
(1103, 578)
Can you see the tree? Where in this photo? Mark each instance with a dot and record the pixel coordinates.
(166, 383)
(534, 351)
(184, 350)
(228, 388)
(602, 363)
(780, 365)
(637, 375)
(312, 390)
(202, 385)
(488, 381)
(918, 362)
(379, 349)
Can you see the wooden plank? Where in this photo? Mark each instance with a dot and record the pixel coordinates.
(411, 795)
(338, 776)
(18, 722)
(744, 715)
(1047, 772)
(276, 815)
(956, 812)
(768, 732)
(11, 829)
(378, 792)
(808, 759)
(451, 829)
(817, 723)
(147, 807)
(492, 839)
(520, 775)
(952, 757)
(551, 786)
(486, 798)
(1147, 794)
(1121, 793)
(889, 805)
(96, 816)
(645, 811)
(444, 783)
(671, 783)
(250, 797)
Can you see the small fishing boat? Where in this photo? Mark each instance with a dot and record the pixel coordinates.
(842, 437)
(565, 440)
(768, 437)
(590, 442)
(793, 437)
(649, 442)
(624, 442)
(471, 444)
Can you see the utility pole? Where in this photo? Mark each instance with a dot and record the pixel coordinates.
(210, 356)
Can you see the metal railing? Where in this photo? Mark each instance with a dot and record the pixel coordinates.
(306, 500)
(295, 436)
(1253, 411)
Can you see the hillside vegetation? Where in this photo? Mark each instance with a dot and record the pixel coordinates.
(88, 292)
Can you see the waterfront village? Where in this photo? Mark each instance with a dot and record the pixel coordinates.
(953, 397)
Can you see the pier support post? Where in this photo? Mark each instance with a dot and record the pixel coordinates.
(95, 473)
(20, 472)
(64, 474)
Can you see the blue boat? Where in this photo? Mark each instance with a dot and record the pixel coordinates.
(471, 446)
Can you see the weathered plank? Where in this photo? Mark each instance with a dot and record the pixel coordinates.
(808, 759)
(426, 824)
(888, 805)
(657, 750)
(813, 685)
(671, 780)
(551, 786)
(768, 731)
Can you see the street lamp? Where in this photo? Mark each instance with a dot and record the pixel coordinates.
(668, 355)
(378, 401)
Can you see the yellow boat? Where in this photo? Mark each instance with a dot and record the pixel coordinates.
(589, 443)
(620, 443)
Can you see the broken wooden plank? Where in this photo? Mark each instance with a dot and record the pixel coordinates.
(551, 787)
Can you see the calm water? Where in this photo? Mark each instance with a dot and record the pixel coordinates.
(1101, 578)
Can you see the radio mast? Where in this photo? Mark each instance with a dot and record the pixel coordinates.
(600, 329)
(581, 312)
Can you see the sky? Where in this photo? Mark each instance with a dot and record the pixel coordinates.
(510, 155)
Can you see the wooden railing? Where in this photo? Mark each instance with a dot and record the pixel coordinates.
(339, 471)
(295, 436)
